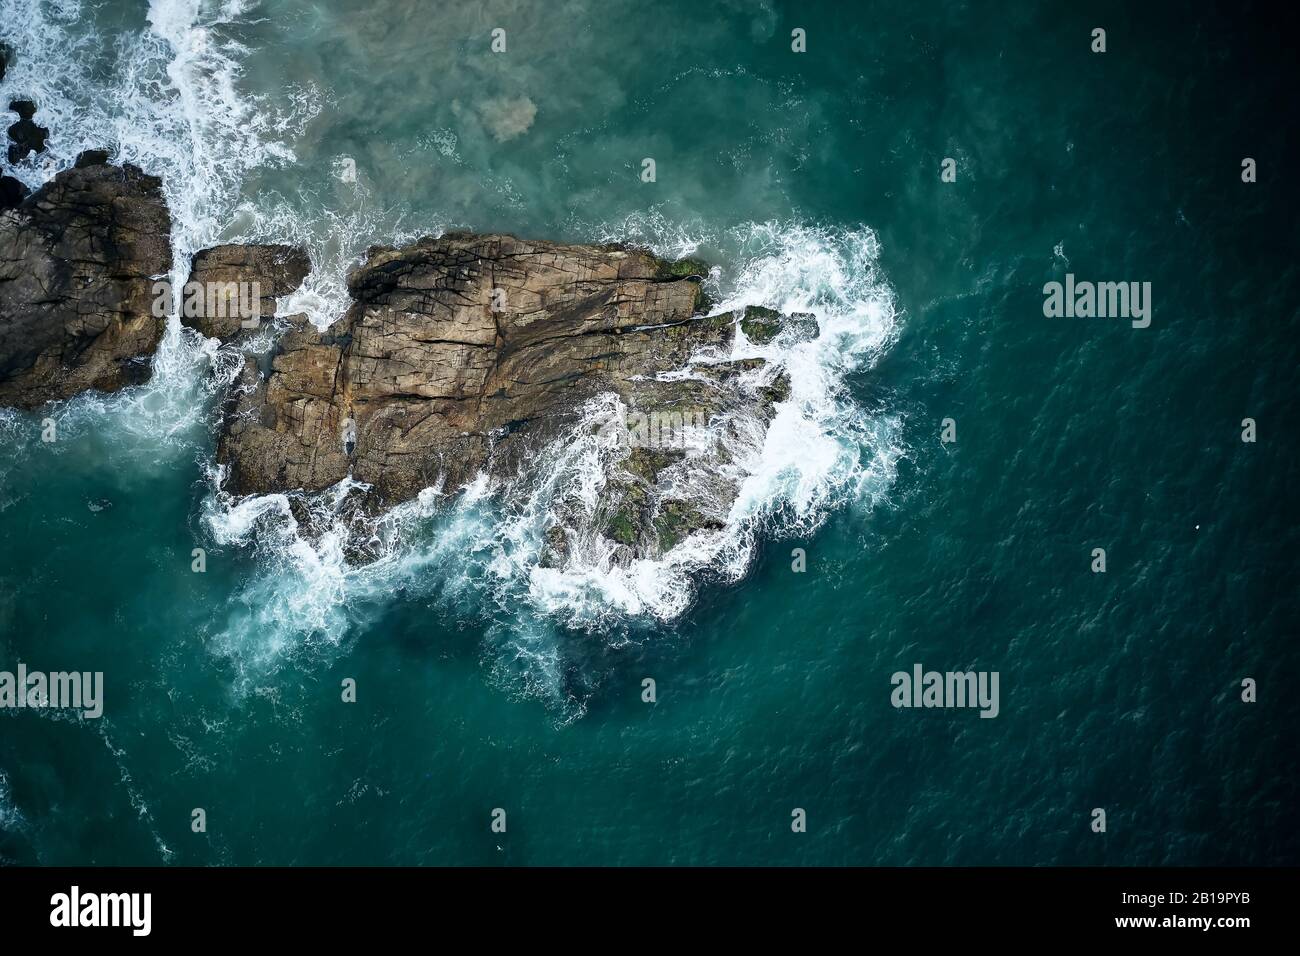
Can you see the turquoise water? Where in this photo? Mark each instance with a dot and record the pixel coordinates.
(807, 178)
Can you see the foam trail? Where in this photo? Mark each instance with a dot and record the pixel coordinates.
(339, 237)
(10, 817)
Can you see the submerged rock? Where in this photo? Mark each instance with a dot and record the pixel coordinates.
(77, 262)
(274, 270)
(472, 354)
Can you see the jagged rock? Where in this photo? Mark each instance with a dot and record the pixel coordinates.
(761, 325)
(277, 270)
(25, 136)
(91, 157)
(77, 263)
(433, 381)
(472, 353)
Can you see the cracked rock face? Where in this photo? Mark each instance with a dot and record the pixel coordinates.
(275, 270)
(472, 353)
(78, 259)
(455, 351)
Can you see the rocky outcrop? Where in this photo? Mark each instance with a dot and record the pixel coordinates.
(25, 136)
(459, 356)
(454, 349)
(78, 259)
(270, 270)
(473, 353)
(761, 325)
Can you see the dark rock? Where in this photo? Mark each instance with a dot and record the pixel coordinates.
(12, 192)
(277, 271)
(92, 157)
(25, 136)
(77, 264)
(762, 325)
(5, 56)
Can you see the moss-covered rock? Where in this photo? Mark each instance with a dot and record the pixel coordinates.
(628, 502)
(761, 325)
(646, 463)
(676, 520)
(777, 390)
(694, 269)
(681, 269)
(623, 526)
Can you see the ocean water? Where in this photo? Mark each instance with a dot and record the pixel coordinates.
(812, 181)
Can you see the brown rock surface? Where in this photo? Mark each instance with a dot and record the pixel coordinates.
(78, 259)
(470, 353)
(277, 270)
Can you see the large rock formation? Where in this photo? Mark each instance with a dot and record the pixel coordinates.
(468, 354)
(460, 356)
(78, 259)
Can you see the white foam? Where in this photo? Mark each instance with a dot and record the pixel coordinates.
(11, 818)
